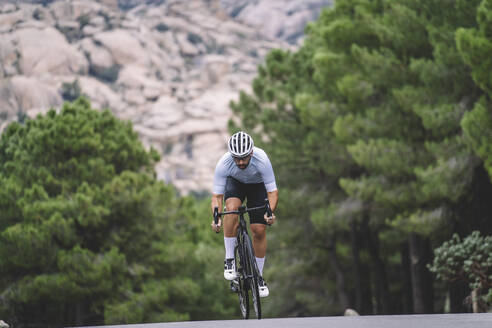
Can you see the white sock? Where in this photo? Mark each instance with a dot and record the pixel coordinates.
(260, 261)
(230, 243)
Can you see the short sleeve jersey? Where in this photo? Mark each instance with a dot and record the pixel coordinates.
(259, 170)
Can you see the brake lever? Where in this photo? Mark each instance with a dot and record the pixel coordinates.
(216, 217)
(268, 210)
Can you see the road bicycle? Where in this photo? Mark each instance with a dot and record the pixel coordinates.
(244, 255)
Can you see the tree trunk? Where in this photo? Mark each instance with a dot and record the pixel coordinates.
(458, 291)
(367, 293)
(474, 299)
(407, 303)
(422, 291)
(363, 272)
(359, 305)
(79, 313)
(340, 276)
(380, 277)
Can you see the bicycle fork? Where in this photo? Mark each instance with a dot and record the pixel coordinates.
(235, 283)
(241, 266)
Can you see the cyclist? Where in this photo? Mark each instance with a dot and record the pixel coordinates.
(244, 172)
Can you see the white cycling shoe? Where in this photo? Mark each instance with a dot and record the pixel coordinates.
(262, 286)
(230, 269)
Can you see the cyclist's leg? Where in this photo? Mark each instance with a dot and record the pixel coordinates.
(256, 197)
(234, 196)
(231, 220)
(259, 239)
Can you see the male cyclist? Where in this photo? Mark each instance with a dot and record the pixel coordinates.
(244, 172)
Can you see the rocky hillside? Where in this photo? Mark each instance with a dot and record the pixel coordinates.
(276, 19)
(170, 67)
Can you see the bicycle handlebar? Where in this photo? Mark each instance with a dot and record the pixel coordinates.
(242, 210)
(268, 208)
(216, 216)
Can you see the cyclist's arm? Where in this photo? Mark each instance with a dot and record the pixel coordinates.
(273, 199)
(266, 171)
(217, 202)
(220, 180)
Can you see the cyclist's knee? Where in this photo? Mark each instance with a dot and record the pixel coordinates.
(232, 204)
(258, 230)
(231, 208)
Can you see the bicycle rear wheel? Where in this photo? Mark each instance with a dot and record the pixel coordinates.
(242, 286)
(252, 272)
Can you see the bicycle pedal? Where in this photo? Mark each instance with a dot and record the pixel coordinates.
(235, 286)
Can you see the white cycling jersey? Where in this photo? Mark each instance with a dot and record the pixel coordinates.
(258, 170)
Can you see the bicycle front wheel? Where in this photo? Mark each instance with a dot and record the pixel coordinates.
(253, 274)
(242, 286)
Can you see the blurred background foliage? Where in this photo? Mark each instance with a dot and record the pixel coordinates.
(379, 130)
(89, 236)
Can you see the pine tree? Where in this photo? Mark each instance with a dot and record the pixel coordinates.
(89, 236)
(365, 122)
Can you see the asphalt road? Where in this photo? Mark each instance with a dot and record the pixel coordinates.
(480, 320)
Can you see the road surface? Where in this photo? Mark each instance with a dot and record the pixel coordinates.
(468, 320)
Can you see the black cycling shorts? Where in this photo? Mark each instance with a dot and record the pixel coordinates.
(255, 193)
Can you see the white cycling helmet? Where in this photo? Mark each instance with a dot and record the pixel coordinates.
(240, 144)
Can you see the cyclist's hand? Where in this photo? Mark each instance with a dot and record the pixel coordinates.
(270, 220)
(216, 227)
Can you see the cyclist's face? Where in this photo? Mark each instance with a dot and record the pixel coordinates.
(242, 162)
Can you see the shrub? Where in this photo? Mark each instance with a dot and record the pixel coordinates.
(469, 260)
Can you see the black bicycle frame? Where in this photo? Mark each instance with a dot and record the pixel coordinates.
(249, 267)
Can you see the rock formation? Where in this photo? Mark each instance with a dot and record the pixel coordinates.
(170, 67)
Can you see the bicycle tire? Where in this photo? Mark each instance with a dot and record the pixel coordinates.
(252, 272)
(242, 293)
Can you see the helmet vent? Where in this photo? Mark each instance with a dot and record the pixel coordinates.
(240, 144)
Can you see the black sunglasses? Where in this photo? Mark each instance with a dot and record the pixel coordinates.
(241, 158)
